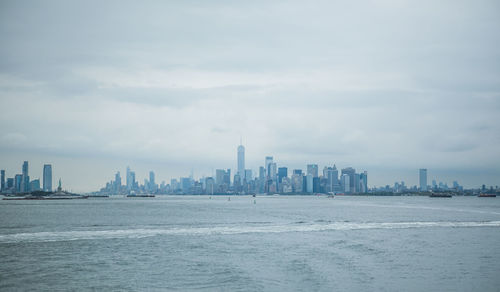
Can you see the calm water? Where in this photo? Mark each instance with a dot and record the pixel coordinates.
(278, 244)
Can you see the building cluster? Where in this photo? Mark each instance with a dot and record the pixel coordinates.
(401, 187)
(131, 185)
(270, 178)
(21, 183)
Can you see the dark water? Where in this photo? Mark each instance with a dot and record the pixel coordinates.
(277, 244)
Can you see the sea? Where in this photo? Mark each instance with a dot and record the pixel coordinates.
(245, 243)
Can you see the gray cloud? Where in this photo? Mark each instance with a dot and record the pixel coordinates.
(385, 86)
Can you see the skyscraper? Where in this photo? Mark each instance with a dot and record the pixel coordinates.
(268, 162)
(282, 172)
(128, 179)
(312, 169)
(47, 178)
(118, 182)
(152, 184)
(351, 173)
(2, 179)
(25, 179)
(241, 161)
(423, 179)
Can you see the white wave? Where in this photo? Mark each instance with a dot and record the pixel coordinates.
(221, 230)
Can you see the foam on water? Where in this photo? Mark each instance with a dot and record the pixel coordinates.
(221, 230)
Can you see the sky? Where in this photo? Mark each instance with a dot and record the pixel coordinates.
(171, 86)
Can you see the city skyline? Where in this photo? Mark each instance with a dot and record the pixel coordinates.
(272, 171)
(385, 86)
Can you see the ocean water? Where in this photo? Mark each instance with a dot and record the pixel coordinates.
(271, 243)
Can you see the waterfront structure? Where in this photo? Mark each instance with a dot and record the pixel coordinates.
(241, 161)
(423, 179)
(47, 178)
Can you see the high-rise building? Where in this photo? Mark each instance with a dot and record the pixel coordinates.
(423, 179)
(345, 182)
(25, 180)
(241, 161)
(18, 179)
(282, 172)
(128, 179)
(351, 172)
(272, 171)
(35, 185)
(267, 165)
(248, 175)
(309, 183)
(152, 183)
(209, 185)
(2, 180)
(364, 182)
(312, 169)
(47, 178)
(222, 179)
(118, 182)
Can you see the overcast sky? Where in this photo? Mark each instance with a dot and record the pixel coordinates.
(383, 86)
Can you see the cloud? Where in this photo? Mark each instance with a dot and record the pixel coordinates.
(173, 86)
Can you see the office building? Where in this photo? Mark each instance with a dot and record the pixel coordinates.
(248, 175)
(35, 185)
(345, 183)
(25, 180)
(241, 161)
(47, 178)
(423, 179)
(282, 172)
(351, 172)
(312, 169)
(118, 182)
(2, 180)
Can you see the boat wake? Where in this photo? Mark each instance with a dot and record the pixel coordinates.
(226, 230)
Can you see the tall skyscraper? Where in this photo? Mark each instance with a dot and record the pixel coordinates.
(25, 179)
(118, 182)
(129, 179)
(268, 162)
(423, 179)
(2, 179)
(152, 183)
(364, 182)
(47, 178)
(241, 161)
(345, 182)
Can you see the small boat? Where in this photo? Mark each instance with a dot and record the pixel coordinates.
(484, 195)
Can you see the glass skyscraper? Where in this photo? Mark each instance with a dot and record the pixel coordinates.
(47, 178)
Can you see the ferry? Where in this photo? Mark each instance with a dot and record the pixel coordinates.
(485, 195)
